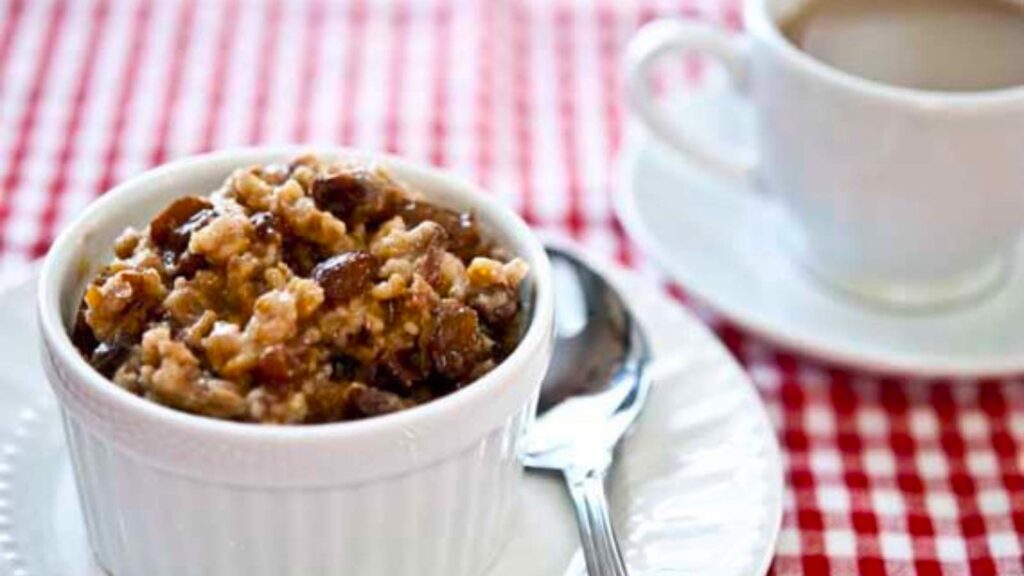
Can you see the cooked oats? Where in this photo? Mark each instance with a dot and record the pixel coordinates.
(302, 293)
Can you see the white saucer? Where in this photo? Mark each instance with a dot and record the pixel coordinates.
(719, 241)
(697, 489)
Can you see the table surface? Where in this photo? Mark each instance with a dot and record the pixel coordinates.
(885, 476)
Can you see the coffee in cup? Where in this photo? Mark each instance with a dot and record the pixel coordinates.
(940, 45)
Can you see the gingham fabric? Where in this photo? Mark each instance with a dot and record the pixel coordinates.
(884, 477)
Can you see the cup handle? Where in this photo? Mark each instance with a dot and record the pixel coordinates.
(676, 36)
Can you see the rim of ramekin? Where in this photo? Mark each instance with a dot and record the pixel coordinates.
(65, 248)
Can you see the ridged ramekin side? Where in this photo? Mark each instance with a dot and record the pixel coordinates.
(448, 519)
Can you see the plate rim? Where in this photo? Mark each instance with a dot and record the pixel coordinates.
(638, 143)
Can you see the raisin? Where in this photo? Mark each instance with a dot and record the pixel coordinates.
(329, 402)
(340, 194)
(464, 238)
(346, 275)
(351, 198)
(344, 367)
(169, 259)
(402, 369)
(374, 402)
(430, 267)
(497, 305)
(300, 256)
(172, 228)
(432, 387)
(437, 385)
(456, 343)
(82, 335)
(266, 226)
(197, 221)
(184, 264)
(274, 367)
(465, 235)
(187, 264)
(108, 357)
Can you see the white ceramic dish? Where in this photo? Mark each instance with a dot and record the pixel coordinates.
(721, 243)
(697, 489)
(426, 491)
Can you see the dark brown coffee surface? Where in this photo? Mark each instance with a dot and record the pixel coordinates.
(942, 45)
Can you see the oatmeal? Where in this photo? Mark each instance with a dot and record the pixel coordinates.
(302, 293)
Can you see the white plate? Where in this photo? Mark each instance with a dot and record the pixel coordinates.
(698, 488)
(720, 241)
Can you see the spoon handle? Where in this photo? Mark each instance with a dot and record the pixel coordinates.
(597, 537)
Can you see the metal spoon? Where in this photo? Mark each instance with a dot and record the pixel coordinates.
(594, 390)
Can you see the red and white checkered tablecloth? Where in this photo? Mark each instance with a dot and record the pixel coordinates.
(885, 476)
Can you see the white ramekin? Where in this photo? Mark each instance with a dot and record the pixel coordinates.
(428, 491)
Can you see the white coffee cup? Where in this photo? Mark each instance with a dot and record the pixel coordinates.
(906, 197)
